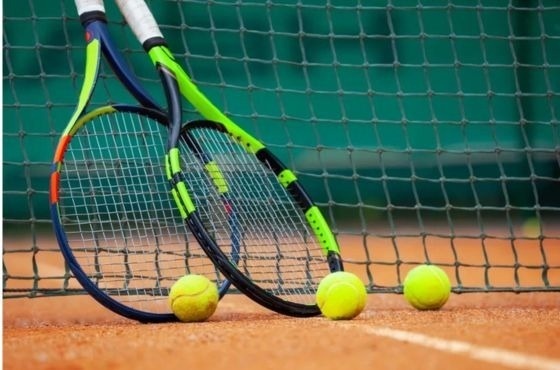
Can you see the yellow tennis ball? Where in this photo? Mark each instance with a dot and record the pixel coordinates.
(531, 228)
(341, 296)
(193, 298)
(427, 287)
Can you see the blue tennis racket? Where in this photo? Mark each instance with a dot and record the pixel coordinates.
(113, 216)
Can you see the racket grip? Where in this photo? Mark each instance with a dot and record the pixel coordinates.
(140, 19)
(85, 6)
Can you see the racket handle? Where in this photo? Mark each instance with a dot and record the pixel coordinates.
(85, 6)
(140, 19)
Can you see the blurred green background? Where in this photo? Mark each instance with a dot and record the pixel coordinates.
(377, 106)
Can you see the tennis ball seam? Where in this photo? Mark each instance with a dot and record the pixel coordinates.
(336, 285)
(184, 296)
(192, 294)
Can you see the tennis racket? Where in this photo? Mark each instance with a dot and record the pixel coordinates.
(285, 245)
(114, 220)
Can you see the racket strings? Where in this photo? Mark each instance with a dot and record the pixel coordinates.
(277, 249)
(114, 202)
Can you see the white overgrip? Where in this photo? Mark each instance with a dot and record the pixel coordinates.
(140, 19)
(85, 6)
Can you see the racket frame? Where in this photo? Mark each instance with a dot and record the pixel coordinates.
(177, 83)
(99, 43)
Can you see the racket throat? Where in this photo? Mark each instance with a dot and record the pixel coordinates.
(174, 109)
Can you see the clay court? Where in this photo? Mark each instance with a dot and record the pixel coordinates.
(495, 331)
(473, 330)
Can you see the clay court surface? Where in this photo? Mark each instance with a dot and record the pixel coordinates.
(473, 331)
(495, 331)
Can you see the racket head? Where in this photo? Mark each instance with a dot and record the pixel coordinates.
(113, 217)
(238, 196)
(221, 232)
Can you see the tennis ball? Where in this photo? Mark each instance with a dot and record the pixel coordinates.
(531, 228)
(193, 298)
(341, 295)
(427, 287)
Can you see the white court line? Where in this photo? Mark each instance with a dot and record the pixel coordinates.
(492, 355)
